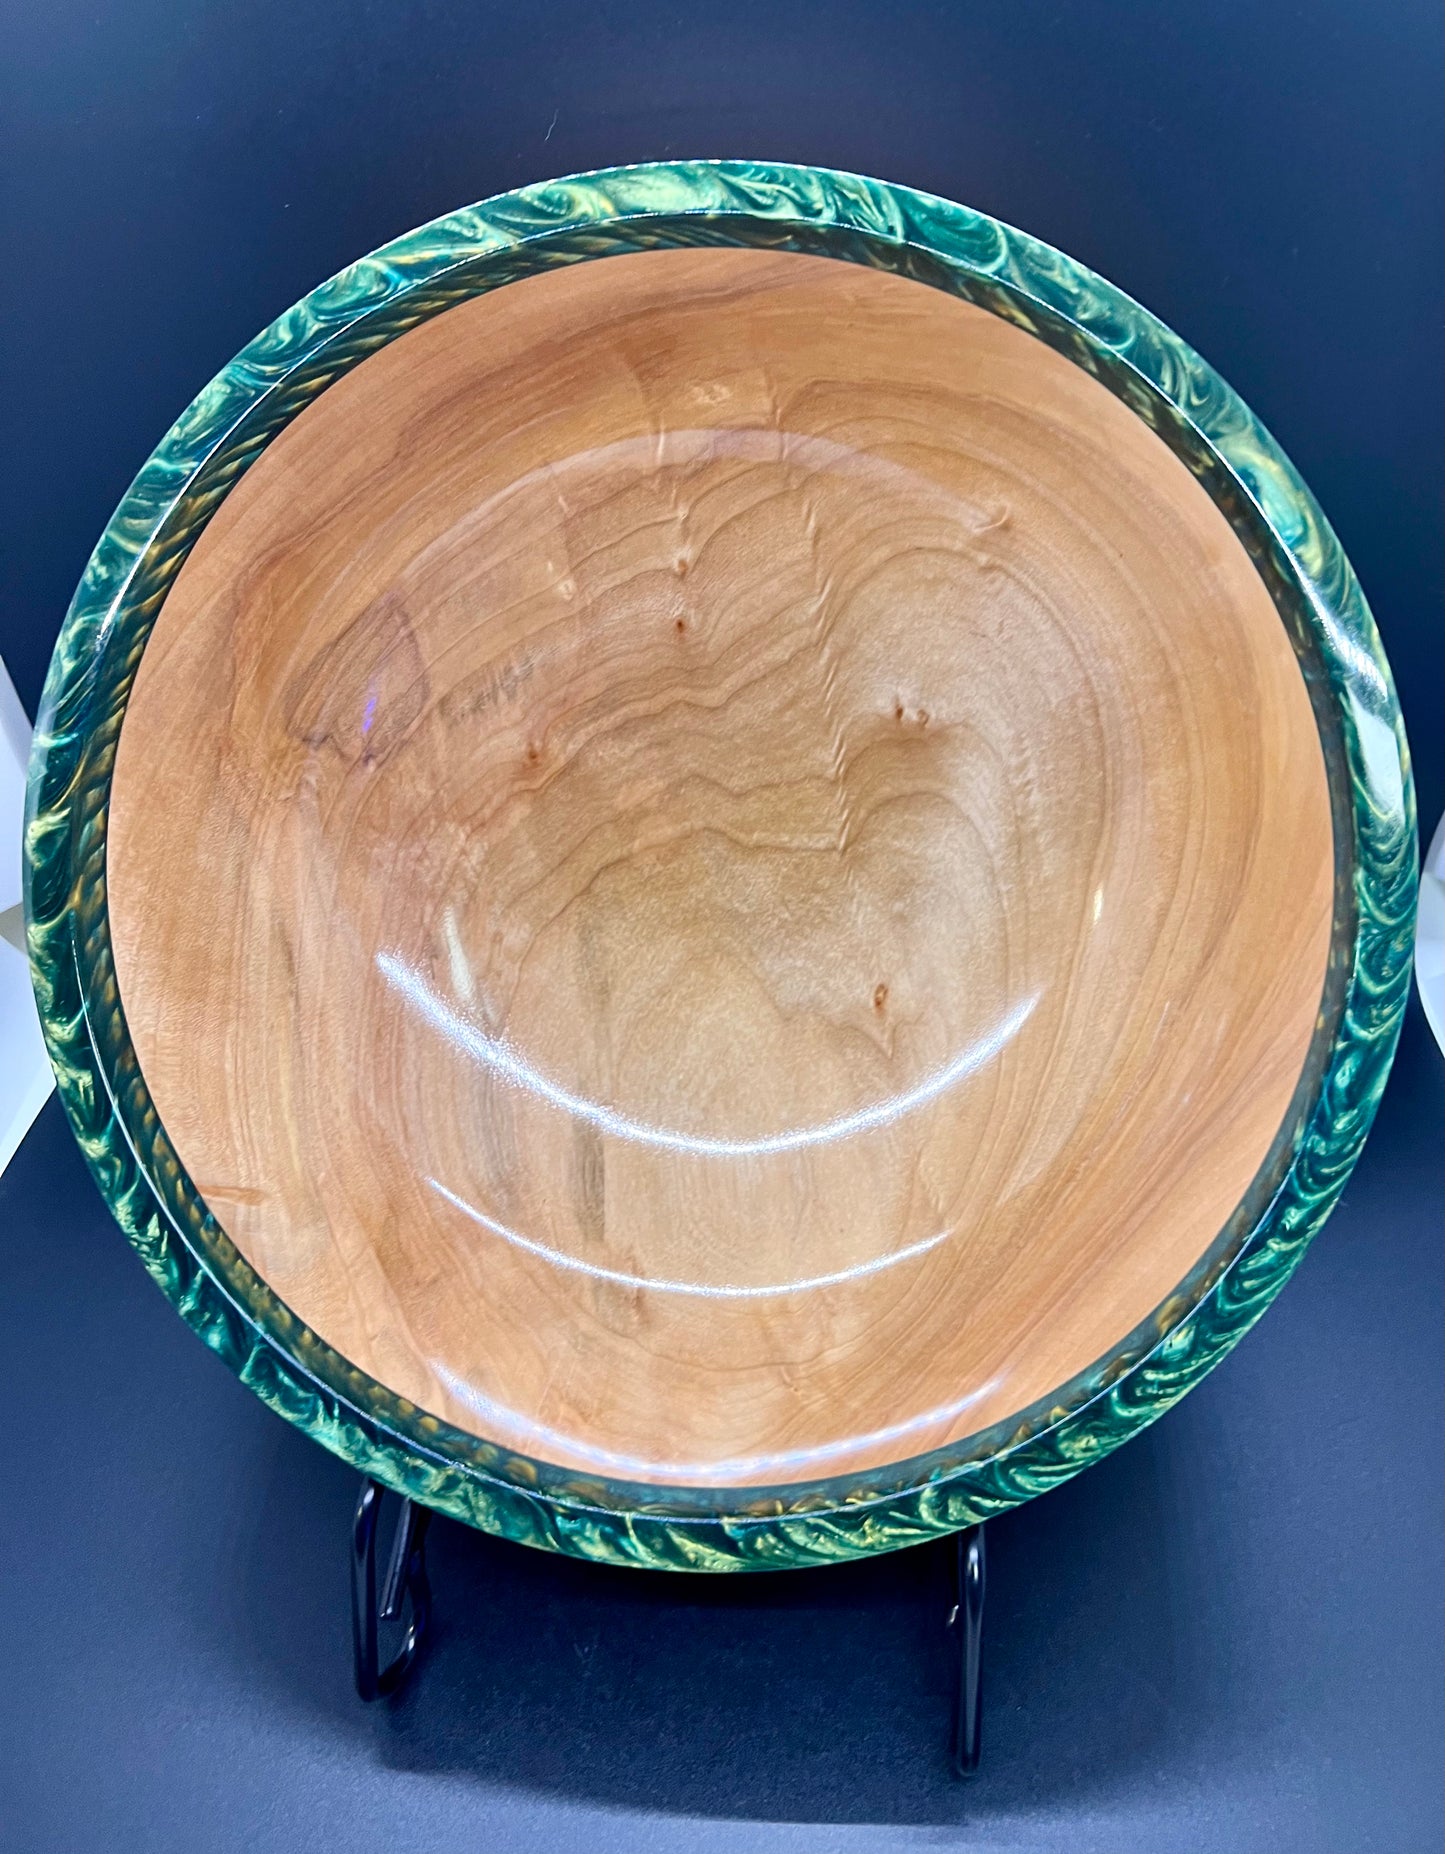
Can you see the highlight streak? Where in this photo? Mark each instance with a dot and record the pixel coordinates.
(561, 1260)
(494, 1053)
(742, 1468)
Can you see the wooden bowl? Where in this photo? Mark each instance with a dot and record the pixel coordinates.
(723, 908)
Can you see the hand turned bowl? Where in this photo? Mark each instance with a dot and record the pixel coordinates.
(725, 907)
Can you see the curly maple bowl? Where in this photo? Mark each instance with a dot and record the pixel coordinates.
(723, 908)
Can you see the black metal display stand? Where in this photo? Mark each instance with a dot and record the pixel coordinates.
(966, 1620)
(405, 1586)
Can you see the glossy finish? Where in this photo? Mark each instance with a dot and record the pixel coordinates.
(758, 868)
(1298, 560)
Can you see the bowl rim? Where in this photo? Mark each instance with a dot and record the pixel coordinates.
(972, 256)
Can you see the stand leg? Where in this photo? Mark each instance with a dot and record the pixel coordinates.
(405, 1578)
(967, 1618)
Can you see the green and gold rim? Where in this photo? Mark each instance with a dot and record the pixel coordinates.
(1098, 328)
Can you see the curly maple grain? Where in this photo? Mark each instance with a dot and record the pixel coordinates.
(757, 869)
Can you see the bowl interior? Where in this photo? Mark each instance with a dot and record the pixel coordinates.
(720, 868)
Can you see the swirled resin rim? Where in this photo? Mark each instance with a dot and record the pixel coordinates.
(1159, 378)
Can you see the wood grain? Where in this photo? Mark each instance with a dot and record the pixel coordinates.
(720, 867)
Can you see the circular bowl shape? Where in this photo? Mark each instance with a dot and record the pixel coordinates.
(725, 908)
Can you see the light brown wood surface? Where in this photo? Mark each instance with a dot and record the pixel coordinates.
(720, 868)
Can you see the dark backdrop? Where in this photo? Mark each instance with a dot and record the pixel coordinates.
(1226, 1636)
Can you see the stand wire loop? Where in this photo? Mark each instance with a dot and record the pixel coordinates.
(406, 1579)
(967, 1619)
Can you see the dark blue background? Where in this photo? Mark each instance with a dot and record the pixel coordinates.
(1228, 1636)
